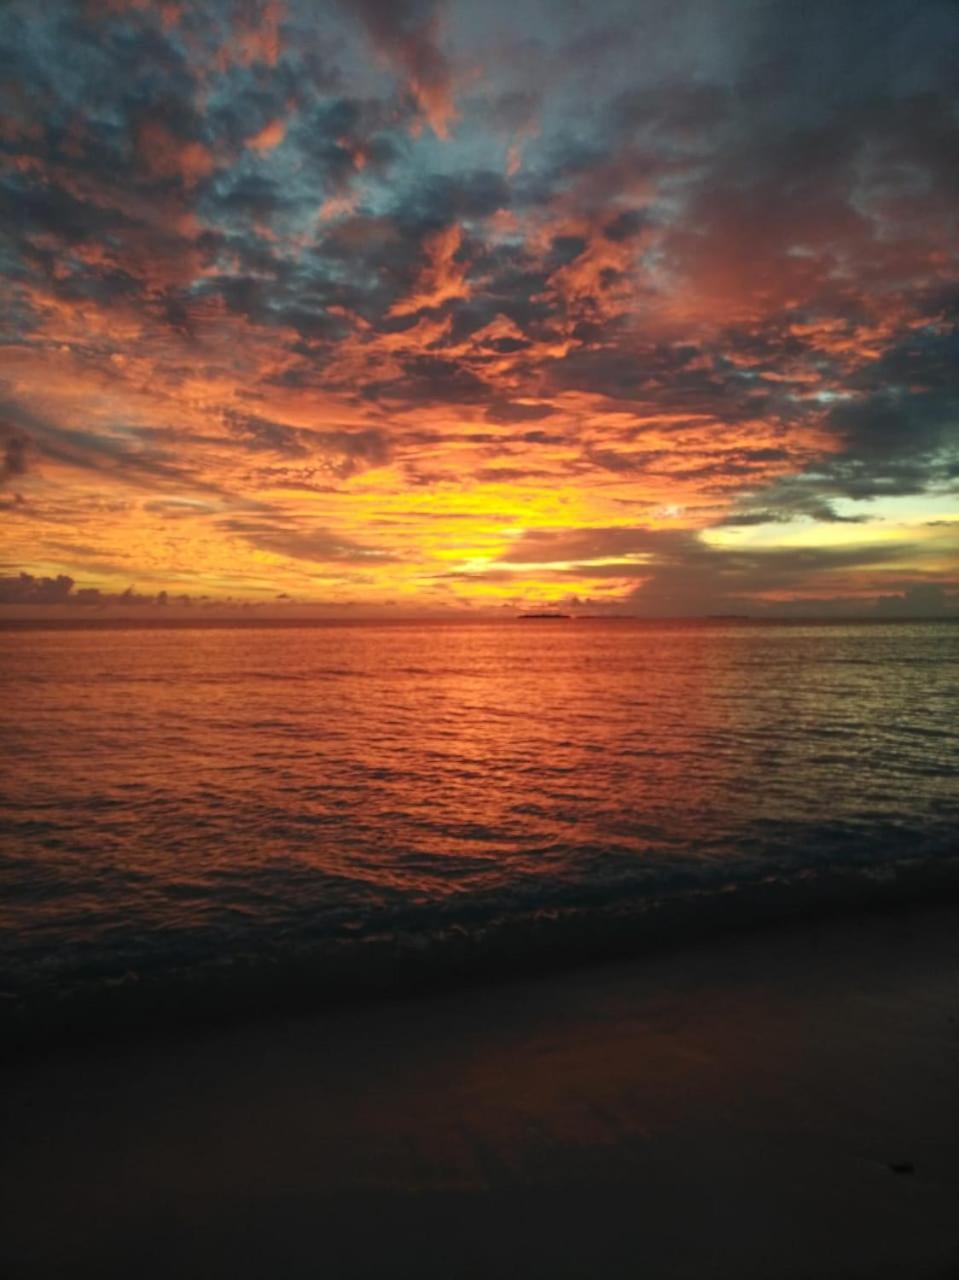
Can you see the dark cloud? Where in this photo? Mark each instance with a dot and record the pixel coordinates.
(443, 198)
(927, 600)
(258, 433)
(626, 225)
(681, 573)
(549, 546)
(353, 451)
(273, 532)
(430, 380)
(26, 589)
(340, 452)
(406, 33)
(118, 456)
(14, 461)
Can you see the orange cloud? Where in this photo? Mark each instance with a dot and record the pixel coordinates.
(256, 36)
(164, 155)
(442, 279)
(270, 136)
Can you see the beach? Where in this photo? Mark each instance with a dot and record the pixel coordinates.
(756, 1105)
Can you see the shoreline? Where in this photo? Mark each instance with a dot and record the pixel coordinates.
(751, 1104)
(412, 963)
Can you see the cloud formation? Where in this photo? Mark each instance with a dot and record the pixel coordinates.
(397, 302)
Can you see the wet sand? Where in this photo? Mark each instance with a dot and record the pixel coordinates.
(765, 1106)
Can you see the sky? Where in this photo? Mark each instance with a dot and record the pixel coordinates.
(642, 307)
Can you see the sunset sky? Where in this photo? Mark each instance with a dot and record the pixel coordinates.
(646, 307)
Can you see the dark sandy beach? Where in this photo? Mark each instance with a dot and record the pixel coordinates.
(765, 1106)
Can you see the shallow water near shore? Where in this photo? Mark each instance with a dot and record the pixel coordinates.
(215, 808)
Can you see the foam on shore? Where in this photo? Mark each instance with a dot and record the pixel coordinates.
(459, 948)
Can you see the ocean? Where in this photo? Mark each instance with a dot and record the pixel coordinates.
(220, 817)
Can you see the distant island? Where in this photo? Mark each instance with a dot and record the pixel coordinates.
(544, 617)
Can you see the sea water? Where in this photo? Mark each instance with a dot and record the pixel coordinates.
(210, 808)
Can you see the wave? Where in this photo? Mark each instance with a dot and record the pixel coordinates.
(299, 974)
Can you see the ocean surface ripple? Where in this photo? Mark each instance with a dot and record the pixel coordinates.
(176, 800)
